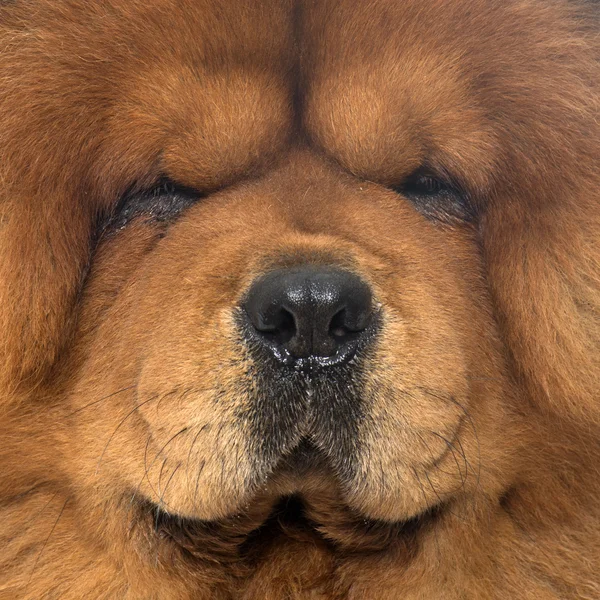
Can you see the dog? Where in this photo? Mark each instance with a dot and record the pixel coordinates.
(300, 300)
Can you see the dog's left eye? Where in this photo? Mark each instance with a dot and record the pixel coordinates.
(424, 185)
(162, 203)
(435, 198)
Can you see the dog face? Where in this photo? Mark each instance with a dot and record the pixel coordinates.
(328, 251)
(252, 368)
(223, 333)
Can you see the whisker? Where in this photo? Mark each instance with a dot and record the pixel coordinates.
(200, 469)
(129, 387)
(160, 473)
(435, 462)
(172, 392)
(440, 498)
(189, 456)
(161, 500)
(422, 488)
(32, 520)
(147, 469)
(452, 447)
(46, 542)
(139, 485)
(119, 426)
(450, 398)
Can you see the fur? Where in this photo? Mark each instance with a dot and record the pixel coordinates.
(148, 449)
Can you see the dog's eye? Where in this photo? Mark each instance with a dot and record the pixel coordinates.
(424, 185)
(162, 203)
(436, 198)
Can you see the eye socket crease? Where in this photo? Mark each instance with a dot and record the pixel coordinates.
(162, 203)
(437, 197)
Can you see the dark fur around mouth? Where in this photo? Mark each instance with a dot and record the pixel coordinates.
(313, 401)
(243, 542)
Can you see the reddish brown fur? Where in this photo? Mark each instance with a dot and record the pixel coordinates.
(122, 372)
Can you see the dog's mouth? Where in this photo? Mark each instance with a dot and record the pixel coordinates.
(241, 540)
(300, 504)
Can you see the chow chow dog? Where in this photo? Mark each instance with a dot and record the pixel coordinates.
(300, 299)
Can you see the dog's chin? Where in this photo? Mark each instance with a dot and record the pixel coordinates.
(290, 517)
(302, 497)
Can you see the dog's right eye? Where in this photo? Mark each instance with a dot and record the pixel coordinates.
(162, 203)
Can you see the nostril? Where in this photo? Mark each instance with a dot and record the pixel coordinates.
(337, 327)
(343, 328)
(280, 328)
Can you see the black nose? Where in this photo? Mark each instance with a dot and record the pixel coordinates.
(310, 311)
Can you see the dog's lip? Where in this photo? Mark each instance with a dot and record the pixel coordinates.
(348, 531)
(291, 501)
